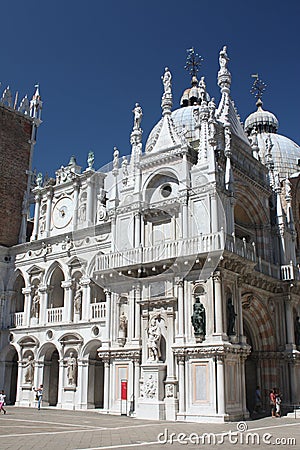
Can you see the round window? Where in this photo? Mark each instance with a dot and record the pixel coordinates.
(166, 190)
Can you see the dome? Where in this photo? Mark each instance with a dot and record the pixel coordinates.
(285, 153)
(262, 120)
(182, 119)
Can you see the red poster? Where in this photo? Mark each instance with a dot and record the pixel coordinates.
(124, 390)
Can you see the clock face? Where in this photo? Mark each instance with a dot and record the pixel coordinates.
(62, 212)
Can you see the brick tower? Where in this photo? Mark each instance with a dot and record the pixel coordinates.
(18, 128)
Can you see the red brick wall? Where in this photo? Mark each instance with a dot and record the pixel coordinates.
(15, 132)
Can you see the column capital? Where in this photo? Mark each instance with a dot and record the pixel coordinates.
(67, 284)
(85, 281)
(27, 290)
(49, 193)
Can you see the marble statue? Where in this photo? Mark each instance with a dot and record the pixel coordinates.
(166, 79)
(223, 58)
(154, 338)
(39, 179)
(150, 387)
(123, 323)
(35, 307)
(91, 159)
(231, 315)
(199, 317)
(78, 300)
(138, 115)
(288, 188)
(116, 158)
(72, 369)
(29, 372)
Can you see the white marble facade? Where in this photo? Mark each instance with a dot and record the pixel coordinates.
(121, 258)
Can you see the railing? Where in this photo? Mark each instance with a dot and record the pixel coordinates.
(54, 315)
(240, 247)
(289, 272)
(16, 319)
(98, 310)
(164, 251)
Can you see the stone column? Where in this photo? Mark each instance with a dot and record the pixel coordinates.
(136, 387)
(37, 208)
(83, 382)
(113, 233)
(220, 384)
(290, 337)
(75, 200)
(181, 384)
(68, 301)
(89, 202)
(60, 382)
(214, 212)
(131, 318)
(27, 305)
(86, 298)
(243, 386)
(44, 290)
(218, 303)
(49, 211)
(137, 319)
(240, 309)
(180, 316)
(293, 381)
(106, 383)
(137, 229)
(108, 316)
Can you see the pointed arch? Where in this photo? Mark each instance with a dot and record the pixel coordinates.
(50, 270)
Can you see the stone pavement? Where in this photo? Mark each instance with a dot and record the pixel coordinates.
(27, 428)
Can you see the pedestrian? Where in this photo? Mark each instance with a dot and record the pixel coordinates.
(39, 395)
(272, 397)
(2, 401)
(278, 404)
(258, 402)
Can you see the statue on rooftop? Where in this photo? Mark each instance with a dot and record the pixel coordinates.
(138, 115)
(223, 58)
(166, 79)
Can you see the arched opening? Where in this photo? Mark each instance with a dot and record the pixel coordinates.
(56, 297)
(19, 297)
(11, 375)
(95, 385)
(51, 376)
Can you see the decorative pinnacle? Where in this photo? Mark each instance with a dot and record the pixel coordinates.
(258, 88)
(193, 62)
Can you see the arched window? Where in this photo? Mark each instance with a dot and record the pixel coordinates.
(56, 297)
(17, 304)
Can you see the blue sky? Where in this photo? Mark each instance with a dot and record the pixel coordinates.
(95, 59)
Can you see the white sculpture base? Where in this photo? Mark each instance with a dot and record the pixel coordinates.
(151, 403)
(68, 400)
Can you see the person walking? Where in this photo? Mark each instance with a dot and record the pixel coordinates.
(39, 395)
(2, 401)
(273, 402)
(278, 404)
(258, 402)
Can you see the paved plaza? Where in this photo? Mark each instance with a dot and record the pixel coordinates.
(26, 428)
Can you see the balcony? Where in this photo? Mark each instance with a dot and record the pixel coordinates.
(98, 311)
(16, 319)
(182, 248)
(55, 315)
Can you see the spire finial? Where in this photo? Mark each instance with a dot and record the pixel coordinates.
(193, 62)
(224, 76)
(258, 89)
(167, 102)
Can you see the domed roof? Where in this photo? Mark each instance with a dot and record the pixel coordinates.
(285, 153)
(262, 120)
(182, 119)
